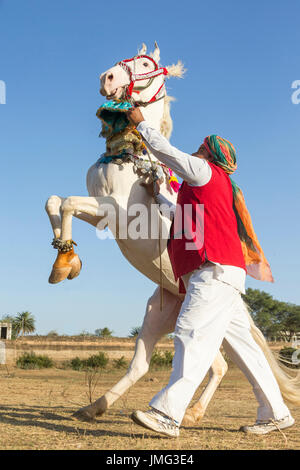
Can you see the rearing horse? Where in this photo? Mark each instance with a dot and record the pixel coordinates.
(141, 80)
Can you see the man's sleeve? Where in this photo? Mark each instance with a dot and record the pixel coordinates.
(195, 171)
(166, 207)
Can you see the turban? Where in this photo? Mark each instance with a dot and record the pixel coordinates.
(223, 155)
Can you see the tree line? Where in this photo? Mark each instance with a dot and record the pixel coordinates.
(278, 320)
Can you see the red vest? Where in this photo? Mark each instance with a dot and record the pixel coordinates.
(205, 227)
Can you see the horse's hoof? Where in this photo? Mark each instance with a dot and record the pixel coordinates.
(190, 419)
(67, 265)
(84, 414)
(58, 274)
(76, 267)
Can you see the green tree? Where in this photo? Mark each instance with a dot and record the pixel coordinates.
(273, 317)
(104, 332)
(263, 311)
(85, 333)
(24, 323)
(288, 316)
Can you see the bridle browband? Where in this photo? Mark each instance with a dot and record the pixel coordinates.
(134, 77)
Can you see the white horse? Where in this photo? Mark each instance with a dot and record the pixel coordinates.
(118, 186)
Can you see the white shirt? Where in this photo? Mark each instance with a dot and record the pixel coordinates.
(196, 172)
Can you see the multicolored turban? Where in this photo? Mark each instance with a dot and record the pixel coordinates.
(224, 156)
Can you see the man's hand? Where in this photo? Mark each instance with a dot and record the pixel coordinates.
(152, 189)
(135, 116)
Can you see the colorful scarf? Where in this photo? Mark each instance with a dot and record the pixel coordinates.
(224, 156)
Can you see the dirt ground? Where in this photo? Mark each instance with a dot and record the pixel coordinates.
(36, 408)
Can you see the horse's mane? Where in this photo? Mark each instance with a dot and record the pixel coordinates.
(166, 124)
(175, 70)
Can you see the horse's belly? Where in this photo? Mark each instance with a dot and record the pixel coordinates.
(140, 255)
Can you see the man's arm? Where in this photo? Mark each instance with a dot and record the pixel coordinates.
(195, 171)
(166, 207)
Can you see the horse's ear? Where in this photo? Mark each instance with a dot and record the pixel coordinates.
(143, 50)
(156, 53)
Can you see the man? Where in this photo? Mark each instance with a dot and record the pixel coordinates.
(213, 276)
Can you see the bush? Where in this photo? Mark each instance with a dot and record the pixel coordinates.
(286, 353)
(97, 361)
(120, 363)
(76, 363)
(52, 334)
(32, 361)
(161, 359)
(104, 332)
(85, 333)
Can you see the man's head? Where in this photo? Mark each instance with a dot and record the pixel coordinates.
(202, 152)
(219, 151)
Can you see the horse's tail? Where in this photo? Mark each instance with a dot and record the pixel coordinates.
(289, 385)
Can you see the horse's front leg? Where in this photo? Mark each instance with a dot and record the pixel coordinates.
(155, 325)
(90, 209)
(53, 207)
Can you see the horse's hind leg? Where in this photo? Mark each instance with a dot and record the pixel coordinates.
(155, 325)
(216, 373)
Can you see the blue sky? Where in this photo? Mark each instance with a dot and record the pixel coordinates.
(241, 60)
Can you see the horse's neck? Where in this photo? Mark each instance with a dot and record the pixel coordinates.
(121, 182)
(153, 114)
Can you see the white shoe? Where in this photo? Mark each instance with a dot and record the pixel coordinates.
(156, 421)
(264, 427)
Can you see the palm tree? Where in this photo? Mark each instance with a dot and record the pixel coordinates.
(134, 331)
(24, 323)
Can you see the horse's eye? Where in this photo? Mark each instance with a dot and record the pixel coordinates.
(145, 64)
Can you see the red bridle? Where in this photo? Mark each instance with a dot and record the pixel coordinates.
(133, 77)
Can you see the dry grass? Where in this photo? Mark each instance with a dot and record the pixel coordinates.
(36, 408)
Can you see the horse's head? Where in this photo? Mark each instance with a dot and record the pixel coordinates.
(139, 79)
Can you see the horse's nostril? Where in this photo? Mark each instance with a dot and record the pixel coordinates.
(110, 76)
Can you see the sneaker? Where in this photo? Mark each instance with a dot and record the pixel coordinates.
(264, 427)
(156, 421)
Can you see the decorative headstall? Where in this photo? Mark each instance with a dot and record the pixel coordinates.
(135, 77)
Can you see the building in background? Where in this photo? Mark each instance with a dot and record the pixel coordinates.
(5, 330)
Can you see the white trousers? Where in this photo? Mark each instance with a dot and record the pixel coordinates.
(213, 313)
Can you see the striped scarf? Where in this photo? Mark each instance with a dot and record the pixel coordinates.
(224, 156)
